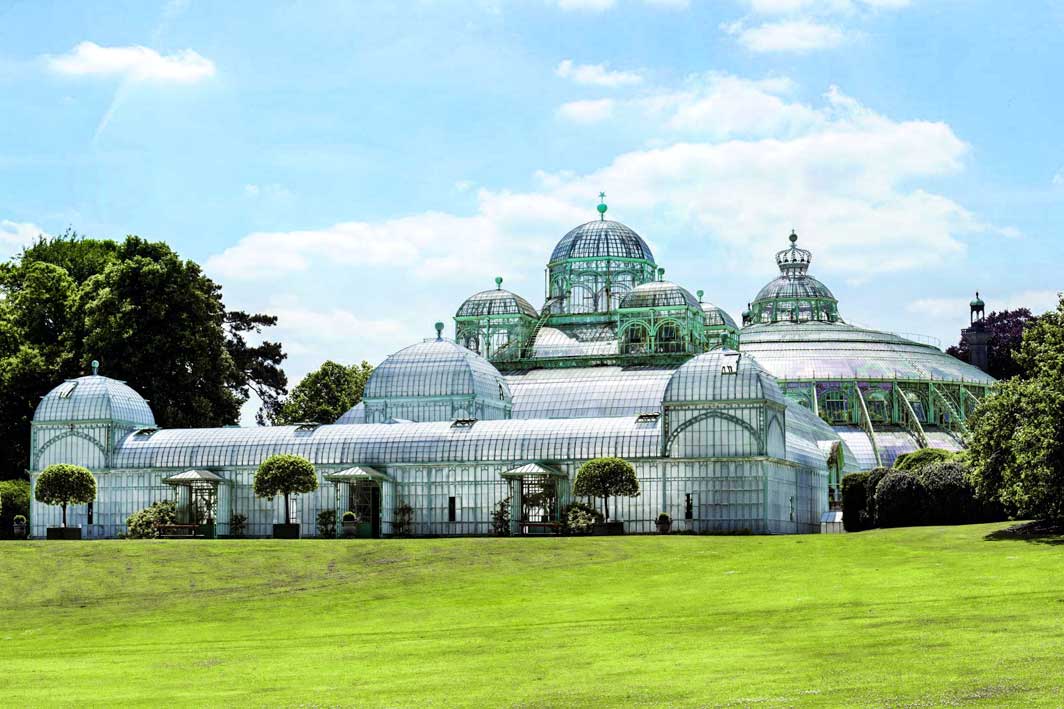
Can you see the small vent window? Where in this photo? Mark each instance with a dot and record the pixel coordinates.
(730, 364)
(463, 423)
(66, 389)
(647, 417)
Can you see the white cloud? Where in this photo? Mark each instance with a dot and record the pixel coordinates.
(133, 62)
(586, 112)
(590, 5)
(1058, 179)
(597, 74)
(787, 36)
(1039, 301)
(16, 235)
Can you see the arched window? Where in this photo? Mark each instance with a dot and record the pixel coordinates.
(636, 339)
(668, 338)
(878, 403)
(835, 407)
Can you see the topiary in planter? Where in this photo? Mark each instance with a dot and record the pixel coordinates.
(64, 485)
(605, 478)
(285, 474)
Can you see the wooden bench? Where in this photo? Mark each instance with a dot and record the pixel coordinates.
(177, 531)
(547, 527)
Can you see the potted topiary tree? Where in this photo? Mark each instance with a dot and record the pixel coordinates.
(605, 478)
(19, 526)
(350, 521)
(664, 523)
(284, 474)
(63, 485)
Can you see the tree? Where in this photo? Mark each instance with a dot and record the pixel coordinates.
(1006, 330)
(63, 485)
(152, 319)
(605, 478)
(324, 394)
(285, 474)
(14, 500)
(1016, 435)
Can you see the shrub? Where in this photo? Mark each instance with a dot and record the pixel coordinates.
(605, 478)
(19, 519)
(921, 457)
(14, 501)
(579, 518)
(500, 519)
(664, 518)
(854, 500)
(404, 520)
(349, 516)
(285, 474)
(900, 500)
(327, 524)
(144, 524)
(875, 476)
(63, 485)
(238, 525)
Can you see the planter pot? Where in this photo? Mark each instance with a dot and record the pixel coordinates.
(286, 531)
(364, 531)
(664, 527)
(608, 529)
(64, 533)
(19, 531)
(350, 529)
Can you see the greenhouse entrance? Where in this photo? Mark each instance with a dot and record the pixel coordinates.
(366, 492)
(536, 492)
(364, 499)
(197, 504)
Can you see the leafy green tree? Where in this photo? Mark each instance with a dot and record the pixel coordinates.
(324, 394)
(152, 319)
(605, 478)
(14, 500)
(1016, 435)
(285, 474)
(64, 485)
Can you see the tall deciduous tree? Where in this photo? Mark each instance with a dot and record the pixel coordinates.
(1006, 334)
(152, 319)
(1016, 441)
(324, 394)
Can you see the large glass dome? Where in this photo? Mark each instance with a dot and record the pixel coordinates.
(94, 398)
(722, 375)
(794, 295)
(601, 239)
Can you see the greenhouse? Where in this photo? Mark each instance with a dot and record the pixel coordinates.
(728, 429)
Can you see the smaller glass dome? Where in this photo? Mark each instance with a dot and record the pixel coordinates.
(495, 302)
(791, 287)
(94, 398)
(659, 294)
(722, 375)
(715, 315)
(602, 239)
(436, 368)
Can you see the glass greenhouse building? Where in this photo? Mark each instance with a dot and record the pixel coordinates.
(728, 428)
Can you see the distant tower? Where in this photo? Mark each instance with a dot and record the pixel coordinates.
(976, 336)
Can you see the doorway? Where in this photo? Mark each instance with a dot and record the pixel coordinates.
(365, 501)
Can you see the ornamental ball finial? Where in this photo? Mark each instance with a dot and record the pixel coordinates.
(95, 367)
(700, 293)
(498, 282)
(439, 330)
(602, 205)
(793, 237)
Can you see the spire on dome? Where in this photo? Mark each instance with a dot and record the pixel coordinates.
(794, 261)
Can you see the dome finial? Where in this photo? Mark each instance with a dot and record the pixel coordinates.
(661, 273)
(439, 330)
(602, 206)
(793, 237)
(96, 366)
(700, 293)
(498, 282)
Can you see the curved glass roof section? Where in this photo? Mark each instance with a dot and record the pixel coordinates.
(94, 398)
(794, 287)
(722, 375)
(819, 350)
(436, 368)
(715, 315)
(496, 302)
(587, 392)
(602, 238)
(659, 294)
(505, 441)
(356, 414)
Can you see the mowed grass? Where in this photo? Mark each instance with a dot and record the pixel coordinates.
(924, 617)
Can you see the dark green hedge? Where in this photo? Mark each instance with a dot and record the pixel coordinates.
(875, 476)
(919, 458)
(854, 496)
(901, 500)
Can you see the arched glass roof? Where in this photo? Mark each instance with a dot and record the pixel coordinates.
(659, 294)
(722, 375)
(794, 286)
(715, 315)
(436, 368)
(602, 239)
(496, 302)
(94, 398)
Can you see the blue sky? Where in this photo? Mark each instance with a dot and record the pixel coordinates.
(358, 168)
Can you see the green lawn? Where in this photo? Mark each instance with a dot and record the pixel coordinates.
(924, 617)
